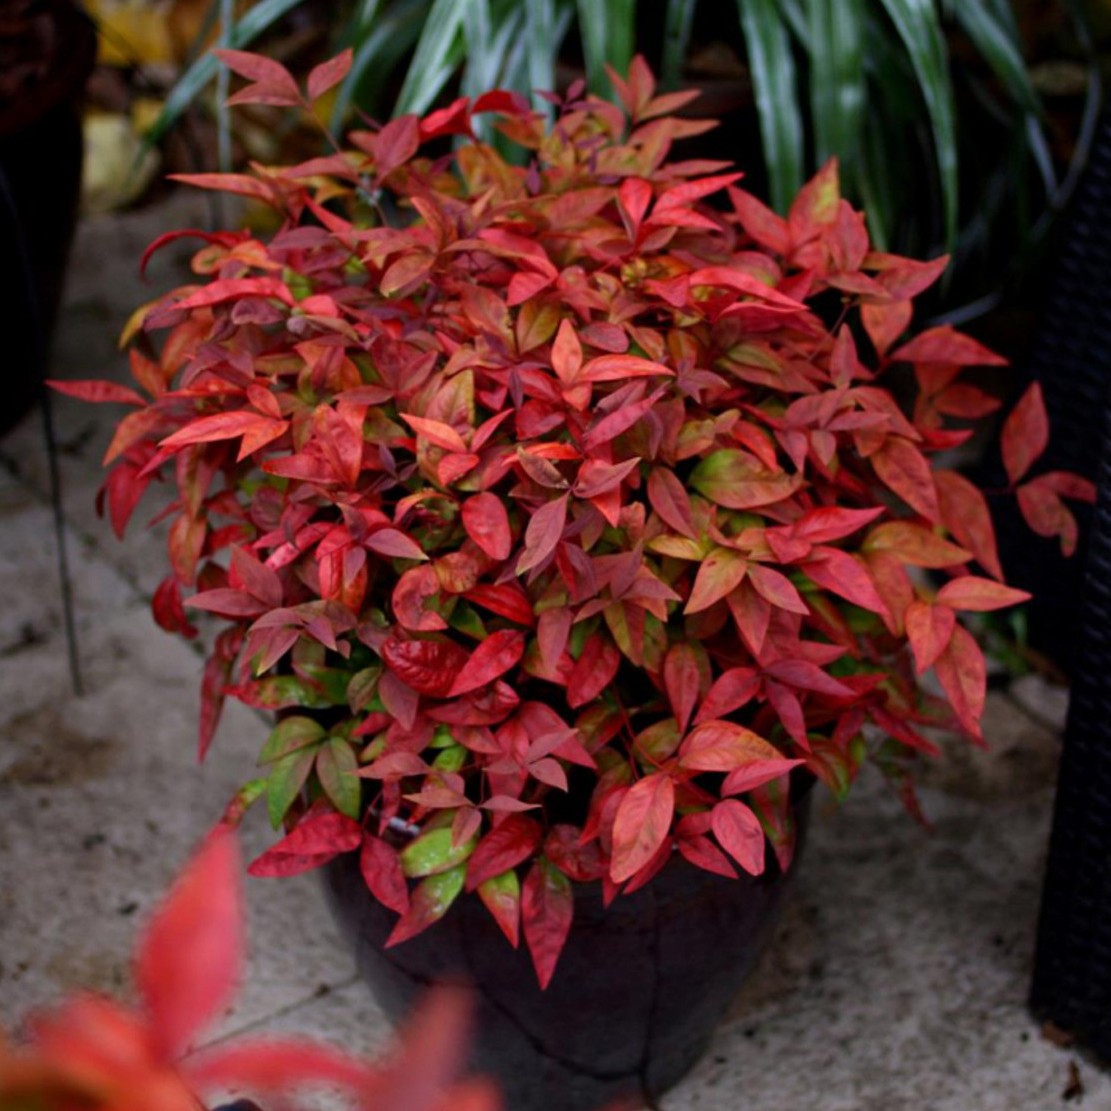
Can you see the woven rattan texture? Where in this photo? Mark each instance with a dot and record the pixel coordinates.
(1072, 978)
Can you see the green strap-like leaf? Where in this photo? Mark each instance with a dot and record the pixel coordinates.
(607, 30)
(920, 30)
(1001, 51)
(773, 78)
(431, 67)
(677, 37)
(837, 81)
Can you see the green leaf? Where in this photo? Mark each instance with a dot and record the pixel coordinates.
(362, 688)
(433, 852)
(677, 38)
(837, 92)
(607, 31)
(285, 781)
(335, 767)
(432, 63)
(1001, 50)
(451, 759)
(920, 30)
(289, 735)
(773, 78)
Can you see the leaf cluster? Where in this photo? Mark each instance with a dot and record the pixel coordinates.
(561, 514)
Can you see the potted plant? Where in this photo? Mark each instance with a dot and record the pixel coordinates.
(573, 527)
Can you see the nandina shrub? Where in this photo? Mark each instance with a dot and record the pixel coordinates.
(564, 508)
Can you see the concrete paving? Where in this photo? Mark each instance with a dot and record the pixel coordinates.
(896, 982)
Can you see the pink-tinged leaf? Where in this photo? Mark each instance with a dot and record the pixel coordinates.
(719, 574)
(567, 354)
(192, 951)
(430, 901)
(396, 143)
(619, 368)
(96, 391)
(703, 853)
(436, 432)
(754, 775)
(393, 544)
(682, 679)
(545, 528)
(739, 832)
(764, 226)
(885, 323)
(255, 67)
(963, 676)
(642, 824)
(508, 844)
(614, 424)
(1025, 433)
(496, 655)
(593, 672)
(929, 630)
(847, 576)
(507, 804)
(227, 603)
(777, 589)
(904, 470)
(381, 869)
(313, 841)
(329, 74)
(669, 498)
(228, 289)
(807, 676)
(487, 524)
(947, 346)
(547, 910)
(973, 593)
(721, 746)
(730, 691)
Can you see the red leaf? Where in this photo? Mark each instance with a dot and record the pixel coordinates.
(846, 576)
(266, 71)
(915, 544)
(227, 426)
(430, 901)
(396, 143)
(501, 895)
(808, 677)
(777, 589)
(381, 869)
(682, 680)
(721, 746)
(815, 207)
(704, 854)
(593, 672)
(642, 824)
(619, 368)
(312, 842)
(508, 600)
(902, 468)
(669, 498)
(547, 910)
(947, 346)
(96, 391)
(192, 952)
(329, 74)
(567, 354)
(739, 831)
(428, 666)
(963, 676)
(756, 774)
(964, 511)
(1025, 433)
(487, 524)
(544, 531)
(498, 653)
(730, 691)
(1045, 512)
(929, 629)
(504, 847)
(972, 593)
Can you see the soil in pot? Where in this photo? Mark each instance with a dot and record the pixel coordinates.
(636, 996)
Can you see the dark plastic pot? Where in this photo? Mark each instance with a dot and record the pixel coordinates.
(637, 993)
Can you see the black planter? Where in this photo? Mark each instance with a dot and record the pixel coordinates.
(47, 49)
(638, 991)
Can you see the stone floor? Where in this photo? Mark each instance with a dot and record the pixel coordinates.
(897, 979)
